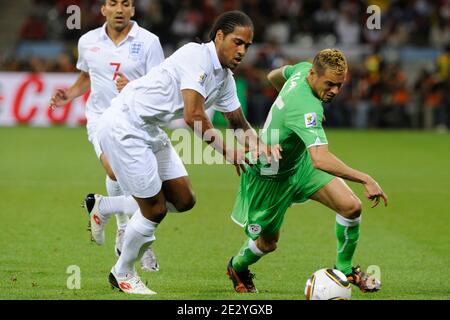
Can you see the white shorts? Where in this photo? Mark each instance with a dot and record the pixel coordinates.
(141, 157)
(91, 126)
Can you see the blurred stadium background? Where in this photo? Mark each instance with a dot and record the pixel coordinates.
(399, 75)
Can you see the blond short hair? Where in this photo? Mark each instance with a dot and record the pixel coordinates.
(332, 59)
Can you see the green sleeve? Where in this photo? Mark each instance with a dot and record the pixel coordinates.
(288, 71)
(308, 126)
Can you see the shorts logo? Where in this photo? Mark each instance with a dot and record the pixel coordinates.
(310, 119)
(136, 49)
(254, 228)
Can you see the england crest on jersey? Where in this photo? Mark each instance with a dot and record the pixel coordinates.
(136, 50)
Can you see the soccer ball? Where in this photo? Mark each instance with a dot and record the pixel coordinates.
(328, 284)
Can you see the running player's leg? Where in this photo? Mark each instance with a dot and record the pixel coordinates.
(139, 234)
(136, 169)
(251, 252)
(259, 208)
(338, 196)
(113, 189)
(176, 184)
(179, 194)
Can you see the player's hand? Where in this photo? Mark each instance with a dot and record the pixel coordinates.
(60, 98)
(238, 159)
(375, 193)
(121, 81)
(270, 152)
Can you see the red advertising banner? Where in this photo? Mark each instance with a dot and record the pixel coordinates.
(25, 97)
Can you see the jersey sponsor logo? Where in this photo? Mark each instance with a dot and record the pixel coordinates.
(94, 49)
(202, 78)
(310, 120)
(254, 228)
(136, 50)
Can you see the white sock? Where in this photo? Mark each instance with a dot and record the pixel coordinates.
(254, 248)
(347, 222)
(113, 189)
(120, 204)
(139, 235)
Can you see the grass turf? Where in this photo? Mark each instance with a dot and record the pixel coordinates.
(45, 173)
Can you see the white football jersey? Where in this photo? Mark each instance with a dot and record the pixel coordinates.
(102, 59)
(156, 97)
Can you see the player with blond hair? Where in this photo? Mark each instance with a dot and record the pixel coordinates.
(307, 170)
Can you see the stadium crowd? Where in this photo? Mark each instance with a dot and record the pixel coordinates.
(379, 92)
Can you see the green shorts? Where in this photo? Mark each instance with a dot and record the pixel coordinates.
(262, 201)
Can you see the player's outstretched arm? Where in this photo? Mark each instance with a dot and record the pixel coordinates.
(63, 96)
(196, 118)
(324, 160)
(276, 78)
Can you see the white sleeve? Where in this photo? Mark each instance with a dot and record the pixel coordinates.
(82, 63)
(155, 55)
(228, 100)
(193, 73)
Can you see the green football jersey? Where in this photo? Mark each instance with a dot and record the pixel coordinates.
(294, 122)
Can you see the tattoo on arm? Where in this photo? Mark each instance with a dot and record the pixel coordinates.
(236, 120)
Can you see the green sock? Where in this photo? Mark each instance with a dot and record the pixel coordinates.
(249, 254)
(347, 234)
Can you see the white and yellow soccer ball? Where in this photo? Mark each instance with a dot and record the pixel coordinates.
(328, 284)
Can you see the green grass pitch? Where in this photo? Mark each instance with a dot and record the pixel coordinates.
(45, 174)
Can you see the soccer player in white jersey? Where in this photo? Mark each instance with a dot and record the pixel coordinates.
(108, 57)
(195, 78)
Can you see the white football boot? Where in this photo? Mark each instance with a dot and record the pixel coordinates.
(120, 234)
(96, 222)
(148, 261)
(131, 283)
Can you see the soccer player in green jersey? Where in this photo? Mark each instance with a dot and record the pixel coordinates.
(307, 170)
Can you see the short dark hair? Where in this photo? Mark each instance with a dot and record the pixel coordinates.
(227, 21)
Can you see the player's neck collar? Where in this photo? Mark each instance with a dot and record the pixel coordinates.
(132, 33)
(215, 59)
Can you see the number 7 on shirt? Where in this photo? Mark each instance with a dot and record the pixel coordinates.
(117, 65)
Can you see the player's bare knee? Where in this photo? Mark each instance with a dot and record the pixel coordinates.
(267, 246)
(352, 209)
(186, 204)
(270, 247)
